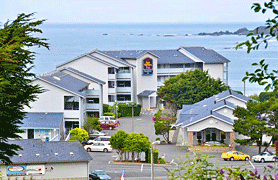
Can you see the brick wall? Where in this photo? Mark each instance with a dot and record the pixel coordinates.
(190, 139)
(232, 140)
(209, 148)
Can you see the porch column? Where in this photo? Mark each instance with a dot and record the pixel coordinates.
(232, 138)
(190, 139)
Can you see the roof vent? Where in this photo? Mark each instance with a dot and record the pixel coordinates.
(205, 105)
(20, 155)
(175, 55)
(37, 155)
(191, 111)
(211, 112)
(224, 101)
(191, 119)
(56, 154)
(71, 153)
(57, 78)
(214, 102)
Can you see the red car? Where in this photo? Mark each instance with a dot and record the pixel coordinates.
(108, 125)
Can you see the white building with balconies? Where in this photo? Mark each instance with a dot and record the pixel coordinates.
(135, 75)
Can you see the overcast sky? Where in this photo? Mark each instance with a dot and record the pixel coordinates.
(107, 11)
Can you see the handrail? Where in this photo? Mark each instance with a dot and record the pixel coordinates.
(67, 138)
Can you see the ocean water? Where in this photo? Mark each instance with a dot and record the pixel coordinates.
(68, 41)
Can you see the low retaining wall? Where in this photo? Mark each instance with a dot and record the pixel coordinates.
(209, 148)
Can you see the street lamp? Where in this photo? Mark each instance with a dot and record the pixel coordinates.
(152, 170)
(132, 105)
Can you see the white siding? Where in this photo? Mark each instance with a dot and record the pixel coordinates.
(226, 112)
(236, 102)
(211, 122)
(111, 61)
(215, 70)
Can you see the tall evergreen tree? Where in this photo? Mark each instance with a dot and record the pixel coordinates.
(16, 90)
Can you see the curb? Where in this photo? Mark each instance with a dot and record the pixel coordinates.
(134, 163)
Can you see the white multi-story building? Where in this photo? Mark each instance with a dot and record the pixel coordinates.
(135, 75)
(79, 87)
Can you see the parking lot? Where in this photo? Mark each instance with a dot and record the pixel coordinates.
(144, 124)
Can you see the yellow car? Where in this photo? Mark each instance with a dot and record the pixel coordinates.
(235, 155)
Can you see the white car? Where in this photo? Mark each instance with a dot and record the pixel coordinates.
(108, 118)
(98, 147)
(263, 157)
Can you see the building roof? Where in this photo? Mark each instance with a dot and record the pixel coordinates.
(146, 93)
(172, 55)
(42, 120)
(206, 55)
(205, 108)
(46, 151)
(65, 81)
(84, 75)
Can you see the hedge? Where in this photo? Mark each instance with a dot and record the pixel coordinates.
(108, 114)
(126, 111)
(155, 156)
(105, 108)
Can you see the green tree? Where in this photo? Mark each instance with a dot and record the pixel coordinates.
(117, 142)
(189, 88)
(78, 134)
(16, 63)
(163, 123)
(255, 97)
(92, 123)
(136, 143)
(253, 122)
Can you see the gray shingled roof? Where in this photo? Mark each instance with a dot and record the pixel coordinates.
(171, 56)
(206, 55)
(84, 75)
(42, 120)
(146, 93)
(189, 119)
(46, 151)
(65, 81)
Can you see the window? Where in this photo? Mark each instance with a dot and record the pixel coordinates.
(111, 70)
(123, 84)
(71, 103)
(111, 84)
(123, 70)
(92, 100)
(123, 97)
(188, 65)
(176, 66)
(111, 98)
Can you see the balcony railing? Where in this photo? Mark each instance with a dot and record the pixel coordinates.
(124, 75)
(123, 89)
(111, 76)
(111, 90)
(92, 93)
(173, 70)
(92, 106)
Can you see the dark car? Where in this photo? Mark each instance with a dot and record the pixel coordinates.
(108, 125)
(99, 174)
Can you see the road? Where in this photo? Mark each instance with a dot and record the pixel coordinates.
(144, 124)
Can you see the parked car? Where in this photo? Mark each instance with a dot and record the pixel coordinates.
(263, 157)
(108, 118)
(234, 155)
(99, 174)
(108, 125)
(210, 143)
(98, 147)
(100, 139)
(95, 134)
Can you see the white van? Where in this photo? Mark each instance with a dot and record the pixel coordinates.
(100, 139)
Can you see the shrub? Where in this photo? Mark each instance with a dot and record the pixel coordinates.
(126, 111)
(163, 142)
(105, 108)
(157, 139)
(161, 160)
(109, 114)
(155, 156)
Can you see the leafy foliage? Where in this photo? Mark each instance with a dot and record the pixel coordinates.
(162, 124)
(126, 110)
(265, 96)
(92, 123)
(189, 88)
(117, 142)
(78, 134)
(255, 121)
(16, 63)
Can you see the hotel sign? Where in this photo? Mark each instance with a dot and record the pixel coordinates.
(147, 67)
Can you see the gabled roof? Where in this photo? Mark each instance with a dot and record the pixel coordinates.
(146, 93)
(84, 75)
(206, 55)
(47, 150)
(42, 120)
(65, 81)
(193, 118)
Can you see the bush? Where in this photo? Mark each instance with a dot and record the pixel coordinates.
(157, 139)
(161, 160)
(109, 114)
(163, 142)
(105, 108)
(125, 111)
(155, 156)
